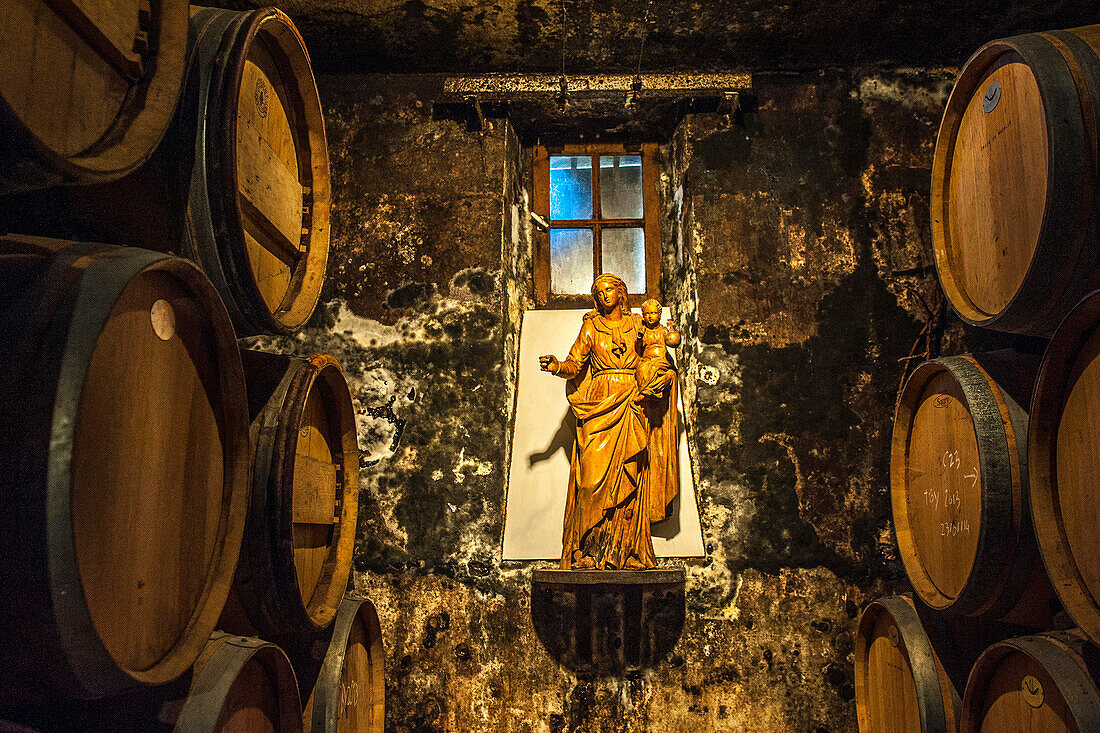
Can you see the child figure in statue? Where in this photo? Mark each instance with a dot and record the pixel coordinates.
(654, 371)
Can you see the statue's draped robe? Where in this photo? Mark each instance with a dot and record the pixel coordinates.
(618, 485)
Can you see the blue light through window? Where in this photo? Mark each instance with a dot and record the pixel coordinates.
(570, 187)
(621, 186)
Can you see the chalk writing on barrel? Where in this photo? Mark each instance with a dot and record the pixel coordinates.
(949, 498)
(349, 696)
(953, 529)
(941, 401)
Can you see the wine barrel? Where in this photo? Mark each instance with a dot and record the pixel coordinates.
(349, 688)
(1014, 181)
(259, 199)
(124, 470)
(1064, 456)
(241, 685)
(959, 492)
(1034, 684)
(297, 551)
(87, 88)
(901, 684)
(240, 184)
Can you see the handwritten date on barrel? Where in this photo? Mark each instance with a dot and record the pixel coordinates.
(954, 529)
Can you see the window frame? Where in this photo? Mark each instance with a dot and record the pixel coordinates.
(540, 204)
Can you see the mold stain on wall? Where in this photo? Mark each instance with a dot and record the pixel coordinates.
(796, 255)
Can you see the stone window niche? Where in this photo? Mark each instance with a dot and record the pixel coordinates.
(599, 200)
(601, 203)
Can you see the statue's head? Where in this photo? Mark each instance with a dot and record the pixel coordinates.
(608, 291)
(651, 313)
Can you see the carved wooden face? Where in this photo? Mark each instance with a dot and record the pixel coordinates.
(608, 294)
(651, 315)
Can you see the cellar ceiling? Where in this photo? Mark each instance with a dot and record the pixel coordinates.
(476, 36)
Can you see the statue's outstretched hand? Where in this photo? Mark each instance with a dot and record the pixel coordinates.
(548, 364)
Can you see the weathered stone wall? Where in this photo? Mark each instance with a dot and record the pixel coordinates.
(803, 225)
(796, 259)
(473, 36)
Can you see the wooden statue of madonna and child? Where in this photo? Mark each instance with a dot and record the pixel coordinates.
(623, 392)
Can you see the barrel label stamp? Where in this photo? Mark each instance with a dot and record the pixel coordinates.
(260, 95)
(984, 146)
(992, 97)
(1033, 691)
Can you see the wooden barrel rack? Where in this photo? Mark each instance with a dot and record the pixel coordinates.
(1015, 188)
(959, 493)
(124, 457)
(297, 552)
(119, 66)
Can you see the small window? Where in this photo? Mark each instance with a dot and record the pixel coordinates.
(601, 204)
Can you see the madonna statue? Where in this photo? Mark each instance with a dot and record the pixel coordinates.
(623, 475)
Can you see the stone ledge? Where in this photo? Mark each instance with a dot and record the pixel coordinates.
(656, 576)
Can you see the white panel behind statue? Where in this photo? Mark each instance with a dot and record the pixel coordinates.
(542, 443)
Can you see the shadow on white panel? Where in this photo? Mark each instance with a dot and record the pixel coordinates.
(543, 441)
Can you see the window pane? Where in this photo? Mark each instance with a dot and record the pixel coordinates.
(570, 261)
(570, 187)
(624, 255)
(621, 186)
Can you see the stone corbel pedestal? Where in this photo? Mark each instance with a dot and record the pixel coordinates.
(647, 631)
(639, 578)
